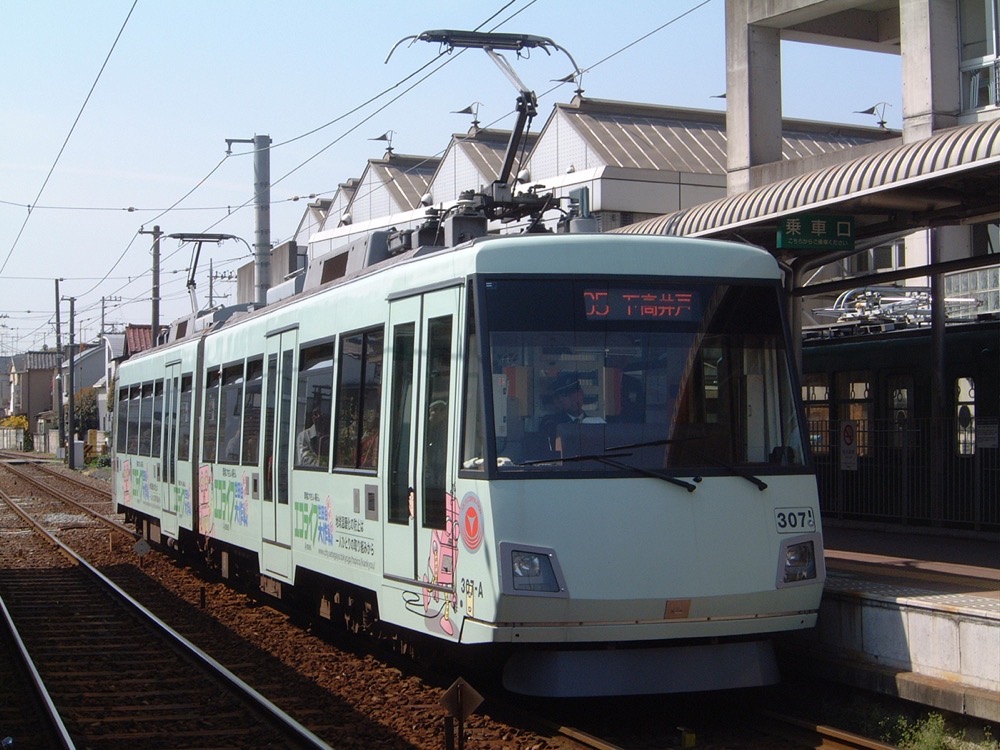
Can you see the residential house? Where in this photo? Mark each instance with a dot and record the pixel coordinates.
(31, 379)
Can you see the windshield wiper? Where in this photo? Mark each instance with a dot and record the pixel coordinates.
(759, 483)
(609, 459)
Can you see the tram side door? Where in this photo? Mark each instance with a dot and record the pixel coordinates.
(276, 509)
(420, 543)
(171, 415)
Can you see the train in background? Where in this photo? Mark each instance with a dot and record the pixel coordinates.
(912, 461)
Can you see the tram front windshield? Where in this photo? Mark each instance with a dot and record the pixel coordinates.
(599, 376)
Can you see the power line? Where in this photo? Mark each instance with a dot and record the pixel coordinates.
(68, 136)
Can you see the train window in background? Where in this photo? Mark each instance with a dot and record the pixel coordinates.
(901, 402)
(359, 396)
(211, 437)
(231, 414)
(816, 398)
(854, 397)
(146, 420)
(184, 421)
(134, 400)
(156, 425)
(312, 412)
(965, 416)
(251, 412)
(121, 420)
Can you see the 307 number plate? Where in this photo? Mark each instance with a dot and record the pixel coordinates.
(794, 520)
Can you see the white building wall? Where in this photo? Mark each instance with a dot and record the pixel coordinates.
(456, 174)
(371, 199)
(560, 148)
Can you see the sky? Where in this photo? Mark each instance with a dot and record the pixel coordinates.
(114, 116)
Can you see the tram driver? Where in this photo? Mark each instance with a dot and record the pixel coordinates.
(567, 401)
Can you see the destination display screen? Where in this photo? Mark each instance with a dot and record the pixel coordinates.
(646, 303)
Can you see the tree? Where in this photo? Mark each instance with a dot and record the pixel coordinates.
(85, 410)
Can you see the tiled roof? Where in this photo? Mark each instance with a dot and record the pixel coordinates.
(138, 338)
(644, 136)
(49, 360)
(486, 149)
(406, 177)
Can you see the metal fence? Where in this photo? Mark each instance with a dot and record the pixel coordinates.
(917, 472)
(11, 439)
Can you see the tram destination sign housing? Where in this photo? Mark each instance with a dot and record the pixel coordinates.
(816, 232)
(645, 303)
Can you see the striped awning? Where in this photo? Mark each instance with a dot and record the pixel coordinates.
(950, 176)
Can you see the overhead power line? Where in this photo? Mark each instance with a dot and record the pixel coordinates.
(68, 136)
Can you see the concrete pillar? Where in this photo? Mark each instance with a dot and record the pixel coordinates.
(930, 56)
(753, 95)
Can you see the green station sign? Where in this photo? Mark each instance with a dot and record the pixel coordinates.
(816, 232)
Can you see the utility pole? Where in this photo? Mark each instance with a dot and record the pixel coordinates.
(72, 441)
(59, 382)
(212, 278)
(155, 325)
(262, 202)
(103, 301)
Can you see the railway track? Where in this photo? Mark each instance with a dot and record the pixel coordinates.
(817, 736)
(116, 676)
(263, 626)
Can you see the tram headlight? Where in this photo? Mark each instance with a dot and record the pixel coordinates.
(532, 571)
(799, 562)
(527, 570)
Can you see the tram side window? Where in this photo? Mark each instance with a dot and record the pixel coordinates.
(251, 412)
(134, 401)
(965, 416)
(400, 492)
(359, 398)
(474, 429)
(231, 403)
(854, 396)
(146, 419)
(312, 412)
(121, 421)
(438, 382)
(211, 436)
(156, 426)
(816, 398)
(184, 420)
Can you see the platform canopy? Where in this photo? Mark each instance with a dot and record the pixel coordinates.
(952, 177)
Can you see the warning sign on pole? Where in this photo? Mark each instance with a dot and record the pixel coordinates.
(849, 445)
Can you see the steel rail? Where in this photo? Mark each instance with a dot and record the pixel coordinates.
(247, 693)
(72, 479)
(109, 522)
(825, 737)
(42, 693)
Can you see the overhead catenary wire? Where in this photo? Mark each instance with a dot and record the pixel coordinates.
(69, 135)
(430, 68)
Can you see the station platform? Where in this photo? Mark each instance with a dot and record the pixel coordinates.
(909, 613)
